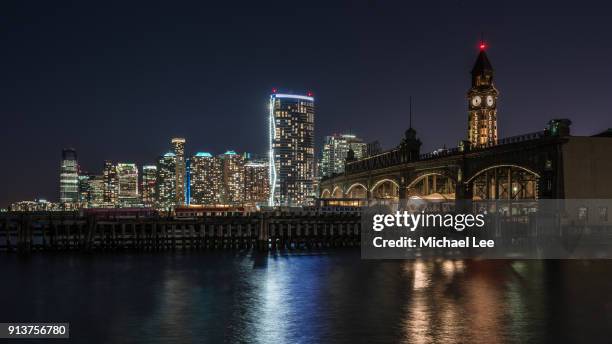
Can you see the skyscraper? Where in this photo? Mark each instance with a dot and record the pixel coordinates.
(166, 181)
(91, 190)
(256, 183)
(187, 181)
(96, 191)
(111, 184)
(482, 103)
(69, 178)
(149, 180)
(206, 179)
(233, 177)
(84, 188)
(291, 156)
(336, 148)
(178, 148)
(127, 176)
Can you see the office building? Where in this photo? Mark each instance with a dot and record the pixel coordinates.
(127, 176)
(96, 191)
(291, 155)
(69, 179)
(84, 189)
(178, 148)
(149, 180)
(111, 184)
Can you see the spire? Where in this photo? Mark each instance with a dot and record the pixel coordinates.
(482, 65)
(410, 123)
(410, 134)
(410, 145)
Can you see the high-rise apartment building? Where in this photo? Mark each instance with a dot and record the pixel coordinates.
(206, 179)
(291, 155)
(149, 180)
(256, 182)
(233, 177)
(127, 176)
(335, 150)
(69, 178)
(166, 181)
(111, 184)
(482, 103)
(178, 148)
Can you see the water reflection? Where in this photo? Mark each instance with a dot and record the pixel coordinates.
(308, 298)
(455, 301)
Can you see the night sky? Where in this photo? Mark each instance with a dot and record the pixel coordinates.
(117, 80)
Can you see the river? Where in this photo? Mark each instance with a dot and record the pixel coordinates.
(332, 297)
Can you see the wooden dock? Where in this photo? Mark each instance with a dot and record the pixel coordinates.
(67, 231)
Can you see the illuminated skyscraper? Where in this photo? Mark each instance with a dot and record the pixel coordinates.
(187, 181)
(178, 148)
(482, 103)
(91, 190)
(111, 184)
(69, 178)
(256, 182)
(233, 177)
(127, 175)
(149, 180)
(166, 181)
(84, 188)
(206, 179)
(96, 191)
(291, 156)
(336, 148)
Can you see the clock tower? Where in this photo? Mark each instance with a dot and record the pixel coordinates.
(482, 103)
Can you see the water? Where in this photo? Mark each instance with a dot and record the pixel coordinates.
(217, 297)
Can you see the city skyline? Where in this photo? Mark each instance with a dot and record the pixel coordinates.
(119, 92)
(291, 120)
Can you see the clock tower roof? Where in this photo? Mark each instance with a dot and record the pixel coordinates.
(482, 65)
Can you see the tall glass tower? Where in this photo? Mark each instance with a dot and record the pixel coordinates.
(291, 155)
(178, 148)
(69, 177)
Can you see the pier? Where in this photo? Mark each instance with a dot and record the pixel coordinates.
(71, 231)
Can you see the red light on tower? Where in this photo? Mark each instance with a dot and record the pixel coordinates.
(274, 90)
(309, 94)
(482, 45)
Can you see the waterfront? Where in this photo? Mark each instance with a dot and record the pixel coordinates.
(302, 297)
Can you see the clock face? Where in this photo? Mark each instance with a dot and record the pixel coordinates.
(476, 100)
(490, 100)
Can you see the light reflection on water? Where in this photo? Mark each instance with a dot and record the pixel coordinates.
(308, 298)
